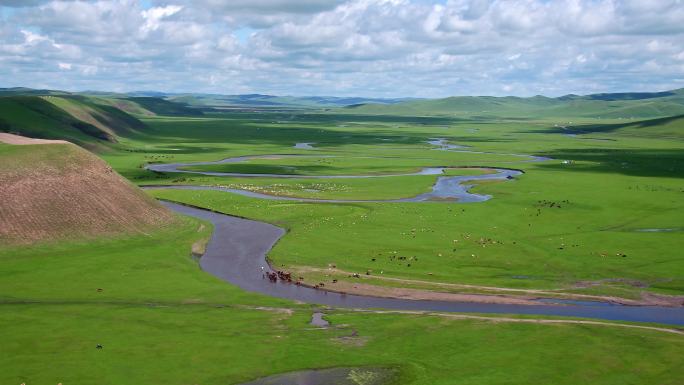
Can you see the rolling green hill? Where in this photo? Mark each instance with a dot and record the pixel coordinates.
(14, 91)
(664, 128)
(164, 107)
(608, 106)
(78, 119)
(624, 105)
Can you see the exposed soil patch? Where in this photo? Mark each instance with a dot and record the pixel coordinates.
(647, 299)
(662, 300)
(22, 140)
(61, 191)
(351, 341)
(417, 294)
(625, 281)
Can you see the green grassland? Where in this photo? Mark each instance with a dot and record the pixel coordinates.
(348, 165)
(35, 117)
(214, 344)
(90, 122)
(613, 189)
(348, 189)
(160, 106)
(161, 319)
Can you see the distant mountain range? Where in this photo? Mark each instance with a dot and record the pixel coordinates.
(259, 100)
(625, 105)
(96, 120)
(218, 100)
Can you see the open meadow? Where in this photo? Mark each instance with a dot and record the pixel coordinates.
(341, 192)
(599, 220)
(601, 217)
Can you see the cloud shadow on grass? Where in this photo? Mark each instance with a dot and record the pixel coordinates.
(634, 162)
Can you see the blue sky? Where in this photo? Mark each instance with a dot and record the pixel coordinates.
(381, 48)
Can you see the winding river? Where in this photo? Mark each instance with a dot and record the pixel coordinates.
(445, 188)
(237, 250)
(442, 144)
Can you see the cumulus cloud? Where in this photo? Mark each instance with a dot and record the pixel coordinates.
(153, 16)
(421, 48)
(21, 3)
(269, 6)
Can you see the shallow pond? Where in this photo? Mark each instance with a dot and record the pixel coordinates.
(318, 320)
(333, 376)
(304, 146)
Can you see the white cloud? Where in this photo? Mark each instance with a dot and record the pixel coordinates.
(33, 38)
(355, 47)
(153, 16)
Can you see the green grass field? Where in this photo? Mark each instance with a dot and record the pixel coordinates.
(160, 319)
(569, 227)
(613, 189)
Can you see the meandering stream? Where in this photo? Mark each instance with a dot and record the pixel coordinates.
(238, 247)
(237, 253)
(445, 188)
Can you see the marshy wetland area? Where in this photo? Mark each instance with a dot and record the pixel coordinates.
(389, 249)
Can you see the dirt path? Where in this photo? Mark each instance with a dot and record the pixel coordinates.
(502, 294)
(23, 140)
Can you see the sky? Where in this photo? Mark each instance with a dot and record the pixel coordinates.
(371, 48)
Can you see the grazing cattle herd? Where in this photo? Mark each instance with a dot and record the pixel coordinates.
(285, 276)
(279, 274)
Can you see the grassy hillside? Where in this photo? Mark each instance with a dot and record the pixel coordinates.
(105, 117)
(143, 105)
(81, 120)
(164, 107)
(60, 191)
(668, 127)
(606, 106)
(16, 91)
(127, 106)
